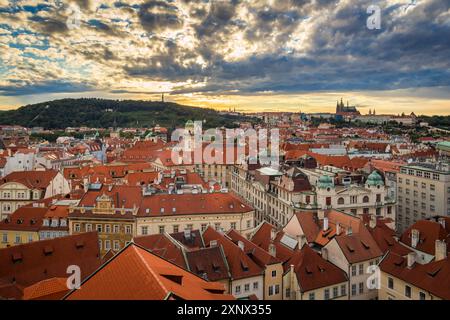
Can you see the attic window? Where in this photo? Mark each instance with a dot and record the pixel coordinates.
(174, 278)
(433, 273)
(321, 269)
(308, 270)
(365, 244)
(48, 250)
(79, 244)
(16, 257)
(350, 248)
(215, 266)
(244, 266)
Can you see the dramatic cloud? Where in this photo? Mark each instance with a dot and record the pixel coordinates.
(216, 48)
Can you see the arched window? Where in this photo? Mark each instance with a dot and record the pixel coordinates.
(366, 199)
(341, 200)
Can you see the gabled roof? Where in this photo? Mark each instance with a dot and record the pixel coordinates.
(432, 277)
(262, 238)
(162, 246)
(48, 289)
(209, 263)
(137, 274)
(240, 264)
(314, 272)
(259, 255)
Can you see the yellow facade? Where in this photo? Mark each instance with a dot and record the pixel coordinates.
(11, 238)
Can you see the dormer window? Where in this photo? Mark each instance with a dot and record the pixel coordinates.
(54, 223)
(63, 223)
(46, 222)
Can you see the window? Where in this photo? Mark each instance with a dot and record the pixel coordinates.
(354, 270)
(432, 187)
(237, 289)
(116, 245)
(361, 269)
(30, 238)
(326, 294)
(366, 199)
(161, 229)
(116, 228)
(390, 283)
(335, 292)
(343, 290)
(100, 244)
(5, 238)
(176, 228)
(107, 244)
(361, 287)
(98, 227)
(128, 229)
(312, 296)
(144, 230)
(270, 290)
(255, 285)
(341, 201)
(408, 291)
(288, 292)
(217, 226)
(277, 289)
(274, 273)
(246, 287)
(421, 296)
(249, 224)
(233, 225)
(204, 226)
(77, 227)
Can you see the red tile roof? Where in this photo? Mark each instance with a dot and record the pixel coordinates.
(163, 247)
(26, 218)
(202, 203)
(432, 277)
(429, 232)
(152, 278)
(31, 179)
(240, 264)
(314, 272)
(27, 264)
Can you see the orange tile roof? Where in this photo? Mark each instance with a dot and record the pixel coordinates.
(152, 278)
(48, 289)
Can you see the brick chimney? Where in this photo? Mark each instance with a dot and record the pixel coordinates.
(440, 250)
(338, 228)
(325, 224)
(442, 222)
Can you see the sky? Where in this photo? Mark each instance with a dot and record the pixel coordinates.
(273, 55)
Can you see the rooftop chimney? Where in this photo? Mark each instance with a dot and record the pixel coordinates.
(273, 234)
(338, 228)
(440, 250)
(373, 221)
(213, 243)
(241, 245)
(411, 259)
(324, 252)
(414, 237)
(325, 224)
(301, 240)
(272, 250)
(442, 222)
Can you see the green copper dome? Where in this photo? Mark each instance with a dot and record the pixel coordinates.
(325, 182)
(375, 179)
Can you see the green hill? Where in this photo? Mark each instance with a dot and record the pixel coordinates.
(59, 114)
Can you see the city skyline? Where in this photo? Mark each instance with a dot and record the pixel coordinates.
(263, 56)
